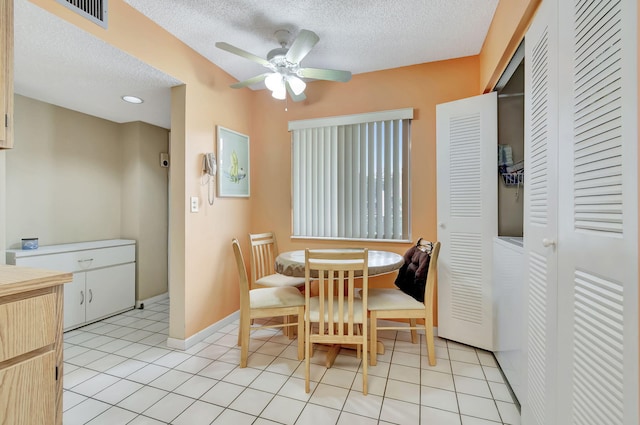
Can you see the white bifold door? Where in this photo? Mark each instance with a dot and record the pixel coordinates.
(581, 213)
(467, 206)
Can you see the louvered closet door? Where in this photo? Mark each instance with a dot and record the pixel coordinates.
(598, 213)
(467, 217)
(540, 215)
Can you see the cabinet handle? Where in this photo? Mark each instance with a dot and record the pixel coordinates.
(82, 299)
(90, 295)
(548, 242)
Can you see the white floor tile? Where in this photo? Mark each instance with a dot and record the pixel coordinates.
(170, 380)
(439, 399)
(477, 387)
(294, 388)
(217, 370)
(399, 412)
(404, 373)
(313, 414)
(234, 417)
(242, 376)
(70, 399)
(126, 368)
(194, 364)
(199, 413)
(142, 399)
(148, 373)
(471, 420)
(329, 396)
(493, 374)
(118, 391)
(500, 392)
(338, 377)
(84, 412)
(432, 416)
(251, 401)
(467, 369)
(96, 384)
(484, 408)
(463, 356)
(347, 418)
(145, 420)
(113, 416)
(222, 394)
(404, 391)
(376, 384)
(169, 408)
(106, 362)
(76, 377)
(283, 410)
(364, 405)
(195, 387)
(269, 382)
(437, 379)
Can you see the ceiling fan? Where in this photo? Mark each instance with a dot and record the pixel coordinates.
(285, 73)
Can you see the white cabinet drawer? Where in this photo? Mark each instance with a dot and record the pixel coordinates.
(81, 260)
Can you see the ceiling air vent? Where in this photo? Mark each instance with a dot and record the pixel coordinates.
(94, 10)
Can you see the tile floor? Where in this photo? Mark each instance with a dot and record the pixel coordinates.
(120, 371)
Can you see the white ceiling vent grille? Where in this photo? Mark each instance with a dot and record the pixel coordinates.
(93, 10)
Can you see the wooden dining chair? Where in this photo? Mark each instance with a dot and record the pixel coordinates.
(265, 302)
(390, 303)
(264, 251)
(337, 315)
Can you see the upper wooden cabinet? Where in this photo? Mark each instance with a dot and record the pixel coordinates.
(6, 74)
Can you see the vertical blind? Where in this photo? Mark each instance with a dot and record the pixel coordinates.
(350, 176)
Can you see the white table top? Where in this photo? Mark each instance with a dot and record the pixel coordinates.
(291, 263)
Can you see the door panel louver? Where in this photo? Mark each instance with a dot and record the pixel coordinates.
(466, 282)
(465, 168)
(537, 170)
(537, 346)
(94, 10)
(597, 119)
(598, 350)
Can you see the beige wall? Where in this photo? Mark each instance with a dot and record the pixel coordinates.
(73, 177)
(63, 176)
(145, 204)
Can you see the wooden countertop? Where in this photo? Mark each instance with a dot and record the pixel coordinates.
(15, 279)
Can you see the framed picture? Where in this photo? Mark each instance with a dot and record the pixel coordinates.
(233, 161)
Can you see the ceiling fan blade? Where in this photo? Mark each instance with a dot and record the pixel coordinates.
(250, 81)
(295, 97)
(236, 51)
(302, 46)
(325, 74)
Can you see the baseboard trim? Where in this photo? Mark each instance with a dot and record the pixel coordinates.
(157, 298)
(185, 344)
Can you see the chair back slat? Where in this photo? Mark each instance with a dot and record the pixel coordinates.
(264, 251)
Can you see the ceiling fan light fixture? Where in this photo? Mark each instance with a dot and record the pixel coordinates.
(280, 93)
(297, 85)
(274, 81)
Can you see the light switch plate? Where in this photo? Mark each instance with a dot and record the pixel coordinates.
(194, 204)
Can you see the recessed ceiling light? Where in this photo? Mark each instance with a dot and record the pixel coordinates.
(132, 99)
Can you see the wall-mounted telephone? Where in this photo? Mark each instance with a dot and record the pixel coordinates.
(210, 165)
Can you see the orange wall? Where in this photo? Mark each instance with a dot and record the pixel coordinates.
(420, 87)
(510, 22)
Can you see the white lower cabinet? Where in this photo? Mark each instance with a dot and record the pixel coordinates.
(104, 276)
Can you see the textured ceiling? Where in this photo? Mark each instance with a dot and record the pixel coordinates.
(61, 64)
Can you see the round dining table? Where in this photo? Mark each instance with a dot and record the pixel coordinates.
(291, 263)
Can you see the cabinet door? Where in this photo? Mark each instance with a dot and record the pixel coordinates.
(27, 391)
(6, 73)
(75, 298)
(110, 290)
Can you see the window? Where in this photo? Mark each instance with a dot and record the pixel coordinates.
(350, 176)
